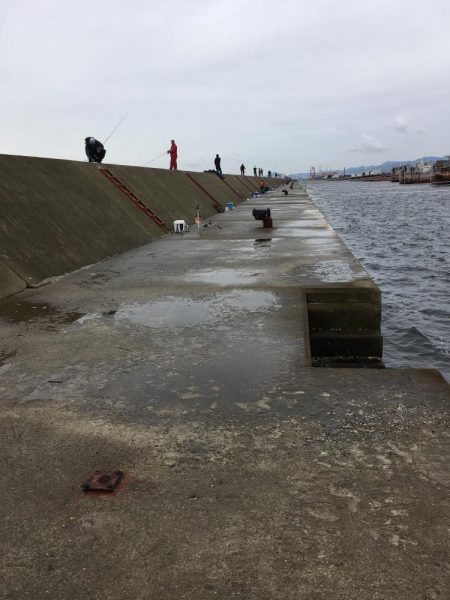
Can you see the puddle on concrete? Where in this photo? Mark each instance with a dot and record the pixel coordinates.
(222, 276)
(176, 312)
(251, 300)
(261, 230)
(21, 310)
(262, 243)
(189, 312)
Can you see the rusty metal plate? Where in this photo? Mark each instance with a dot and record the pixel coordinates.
(101, 481)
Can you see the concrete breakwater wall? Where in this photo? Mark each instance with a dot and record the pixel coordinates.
(57, 216)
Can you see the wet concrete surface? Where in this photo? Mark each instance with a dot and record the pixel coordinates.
(249, 474)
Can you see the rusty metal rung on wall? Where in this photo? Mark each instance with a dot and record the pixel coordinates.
(242, 180)
(239, 195)
(216, 204)
(123, 188)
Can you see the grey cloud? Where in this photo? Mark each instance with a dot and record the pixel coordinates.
(367, 144)
(401, 124)
(284, 86)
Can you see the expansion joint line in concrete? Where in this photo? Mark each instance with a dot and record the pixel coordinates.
(18, 275)
(240, 196)
(123, 188)
(215, 203)
(242, 180)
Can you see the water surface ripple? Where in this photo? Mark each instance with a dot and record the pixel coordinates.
(400, 235)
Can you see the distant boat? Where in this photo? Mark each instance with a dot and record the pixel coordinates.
(441, 172)
(418, 173)
(372, 176)
(395, 174)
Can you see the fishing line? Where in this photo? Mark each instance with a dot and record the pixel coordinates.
(149, 161)
(121, 121)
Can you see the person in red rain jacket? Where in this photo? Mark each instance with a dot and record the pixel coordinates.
(173, 155)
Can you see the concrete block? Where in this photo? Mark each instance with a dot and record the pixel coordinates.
(330, 344)
(349, 316)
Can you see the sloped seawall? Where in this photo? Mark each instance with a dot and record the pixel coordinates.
(57, 216)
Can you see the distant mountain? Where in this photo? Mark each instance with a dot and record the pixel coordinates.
(386, 166)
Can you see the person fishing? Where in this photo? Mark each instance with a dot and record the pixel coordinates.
(95, 151)
(242, 169)
(173, 151)
(217, 164)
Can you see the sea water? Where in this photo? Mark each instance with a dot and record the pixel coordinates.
(401, 235)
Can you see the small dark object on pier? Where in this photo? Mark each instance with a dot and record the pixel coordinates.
(103, 482)
(215, 173)
(285, 192)
(263, 214)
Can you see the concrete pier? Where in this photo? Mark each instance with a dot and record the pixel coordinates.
(188, 364)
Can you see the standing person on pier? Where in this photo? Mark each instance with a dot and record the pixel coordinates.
(269, 173)
(173, 151)
(217, 164)
(242, 169)
(254, 171)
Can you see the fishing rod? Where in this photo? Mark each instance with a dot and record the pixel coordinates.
(149, 161)
(121, 121)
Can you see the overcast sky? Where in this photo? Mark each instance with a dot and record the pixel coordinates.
(281, 84)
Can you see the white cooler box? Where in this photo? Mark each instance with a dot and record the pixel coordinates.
(179, 226)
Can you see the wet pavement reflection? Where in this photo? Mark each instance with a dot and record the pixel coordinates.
(18, 310)
(176, 312)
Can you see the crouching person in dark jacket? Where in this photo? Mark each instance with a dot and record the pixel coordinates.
(94, 150)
